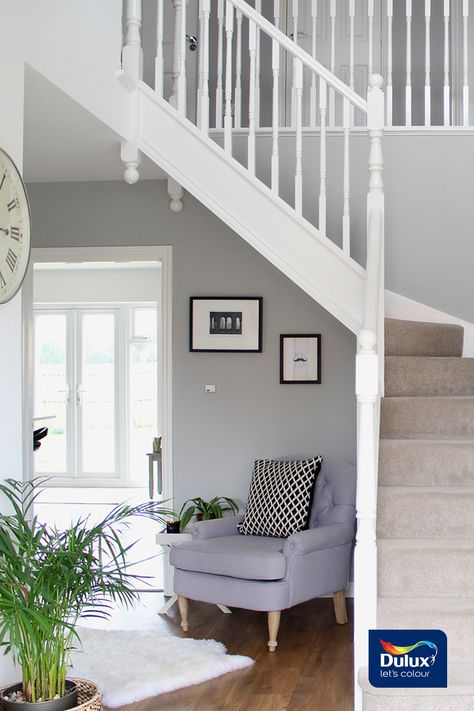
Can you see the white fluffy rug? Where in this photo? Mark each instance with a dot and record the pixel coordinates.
(132, 665)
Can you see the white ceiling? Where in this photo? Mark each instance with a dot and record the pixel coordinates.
(63, 142)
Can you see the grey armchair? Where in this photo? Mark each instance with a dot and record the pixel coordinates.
(221, 566)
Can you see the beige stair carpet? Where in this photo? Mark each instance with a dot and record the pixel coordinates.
(425, 517)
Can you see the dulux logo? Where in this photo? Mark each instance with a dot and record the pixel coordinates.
(408, 658)
(398, 657)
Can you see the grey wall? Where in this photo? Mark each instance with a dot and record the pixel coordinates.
(429, 179)
(216, 437)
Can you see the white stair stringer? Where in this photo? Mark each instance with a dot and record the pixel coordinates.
(246, 205)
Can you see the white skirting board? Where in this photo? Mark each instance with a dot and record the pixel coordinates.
(397, 306)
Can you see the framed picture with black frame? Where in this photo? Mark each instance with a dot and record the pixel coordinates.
(225, 324)
(300, 358)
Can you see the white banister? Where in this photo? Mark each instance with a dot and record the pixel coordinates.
(299, 138)
(352, 10)
(275, 167)
(427, 64)
(408, 89)
(159, 59)
(178, 92)
(294, 37)
(220, 62)
(229, 31)
(465, 73)
(446, 88)
(251, 136)
(258, 10)
(370, 13)
(132, 53)
(389, 89)
(332, 62)
(346, 212)
(238, 72)
(203, 97)
(322, 155)
(314, 37)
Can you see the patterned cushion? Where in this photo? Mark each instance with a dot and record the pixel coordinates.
(280, 497)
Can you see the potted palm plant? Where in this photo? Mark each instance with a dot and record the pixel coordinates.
(205, 510)
(49, 579)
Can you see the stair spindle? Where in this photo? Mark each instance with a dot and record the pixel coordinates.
(132, 53)
(299, 137)
(294, 37)
(322, 155)
(220, 62)
(178, 94)
(276, 13)
(427, 64)
(203, 109)
(238, 72)
(275, 179)
(159, 60)
(446, 87)
(370, 14)
(352, 10)
(252, 79)
(408, 89)
(465, 47)
(389, 90)
(332, 64)
(229, 31)
(314, 34)
(346, 213)
(258, 8)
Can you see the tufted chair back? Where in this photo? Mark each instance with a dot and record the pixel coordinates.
(335, 492)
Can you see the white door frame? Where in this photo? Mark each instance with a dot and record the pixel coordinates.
(106, 254)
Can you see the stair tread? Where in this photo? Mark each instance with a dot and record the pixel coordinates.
(444, 605)
(429, 376)
(424, 544)
(443, 490)
(421, 338)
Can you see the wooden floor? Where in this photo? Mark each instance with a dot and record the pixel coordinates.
(311, 670)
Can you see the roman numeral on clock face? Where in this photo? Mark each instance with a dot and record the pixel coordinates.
(11, 259)
(2, 180)
(15, 233)
(11, 205)
(3, 283)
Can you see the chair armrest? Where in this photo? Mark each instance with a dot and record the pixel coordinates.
(317, 539)
(215, 528)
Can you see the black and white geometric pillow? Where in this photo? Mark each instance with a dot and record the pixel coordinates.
(280, 497)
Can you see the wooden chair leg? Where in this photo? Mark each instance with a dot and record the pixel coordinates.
(183, 610)
(340, 607)
(273, 625)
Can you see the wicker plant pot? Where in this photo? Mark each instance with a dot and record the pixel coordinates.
(88, 696)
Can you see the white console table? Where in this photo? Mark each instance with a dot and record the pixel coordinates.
(165, 540)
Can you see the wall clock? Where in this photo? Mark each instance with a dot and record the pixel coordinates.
(14, 228)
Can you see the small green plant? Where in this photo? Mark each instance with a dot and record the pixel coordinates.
(205, 510)
(49, 579)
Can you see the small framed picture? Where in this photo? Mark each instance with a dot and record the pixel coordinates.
(300, 358)
(227, 324)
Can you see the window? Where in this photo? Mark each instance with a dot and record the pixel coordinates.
(96, 378)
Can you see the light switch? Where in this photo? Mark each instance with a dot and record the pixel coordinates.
(209, 388)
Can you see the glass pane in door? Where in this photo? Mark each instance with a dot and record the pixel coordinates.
(96, 393)
(143, 388)
(51, 393)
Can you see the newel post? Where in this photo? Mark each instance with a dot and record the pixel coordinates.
(376, 197)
